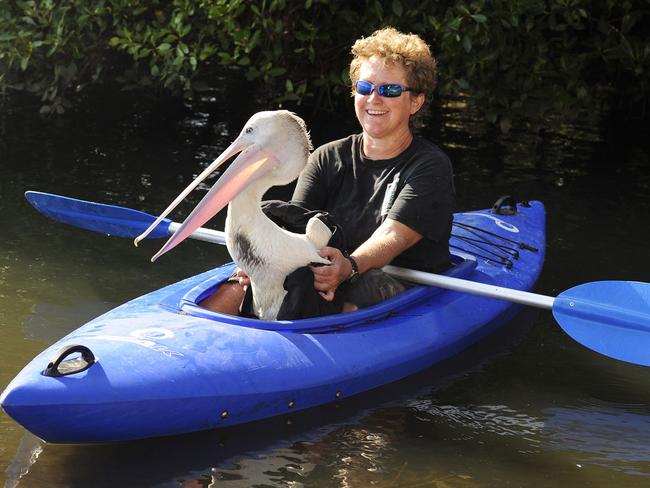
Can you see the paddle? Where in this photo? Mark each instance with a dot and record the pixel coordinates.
(109, 219)
(610, 317)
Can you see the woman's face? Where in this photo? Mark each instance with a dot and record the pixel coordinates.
(383, 117)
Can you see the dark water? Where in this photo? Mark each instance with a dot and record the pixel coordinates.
(528, 407)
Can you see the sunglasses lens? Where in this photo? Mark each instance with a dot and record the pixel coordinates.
(363, 87)
(390, 90)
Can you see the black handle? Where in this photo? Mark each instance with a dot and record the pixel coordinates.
(58, 367)
(506, 205)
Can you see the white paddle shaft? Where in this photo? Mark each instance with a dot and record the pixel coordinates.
(202, 234)
(420, 277)
(473, 287)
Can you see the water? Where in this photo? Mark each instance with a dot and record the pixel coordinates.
(527, 407)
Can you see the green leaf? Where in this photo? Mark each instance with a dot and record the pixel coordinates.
(277, 71)
(479, 18)
(225, 57)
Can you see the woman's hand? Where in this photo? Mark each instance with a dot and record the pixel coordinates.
(389, 240)
(327, 278)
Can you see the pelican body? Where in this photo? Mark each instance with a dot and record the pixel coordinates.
(272, 150)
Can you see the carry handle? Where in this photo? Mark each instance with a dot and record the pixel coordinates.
(506, 205)
(58, 366)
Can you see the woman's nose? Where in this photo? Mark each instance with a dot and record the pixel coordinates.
(373, 95)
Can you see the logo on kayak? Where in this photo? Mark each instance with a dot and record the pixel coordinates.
(146, 338)
(500, 223)
(153, 333)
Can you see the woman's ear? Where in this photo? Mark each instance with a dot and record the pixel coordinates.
(416, 102)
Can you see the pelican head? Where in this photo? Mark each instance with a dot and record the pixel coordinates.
(272, 149)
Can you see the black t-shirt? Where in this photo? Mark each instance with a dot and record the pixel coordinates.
(415, 188)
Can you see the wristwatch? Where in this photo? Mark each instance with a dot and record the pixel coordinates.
(355, 269)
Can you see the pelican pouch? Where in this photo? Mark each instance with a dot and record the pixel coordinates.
(302, 301)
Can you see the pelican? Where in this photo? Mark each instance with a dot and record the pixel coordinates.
(272, 149)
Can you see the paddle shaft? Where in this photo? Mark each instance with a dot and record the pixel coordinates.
(483, 289)
(420, 277)
(202, 234)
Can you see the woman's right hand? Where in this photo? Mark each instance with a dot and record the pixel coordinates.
(328, 278)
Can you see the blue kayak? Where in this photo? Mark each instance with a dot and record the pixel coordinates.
(161, 365)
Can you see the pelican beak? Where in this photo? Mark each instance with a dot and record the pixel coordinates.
(245, 169)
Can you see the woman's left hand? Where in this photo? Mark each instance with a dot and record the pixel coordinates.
(328, 278)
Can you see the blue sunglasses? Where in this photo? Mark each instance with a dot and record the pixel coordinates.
(389, 90)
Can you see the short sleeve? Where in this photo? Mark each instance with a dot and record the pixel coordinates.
(426, 198)
(311, 189)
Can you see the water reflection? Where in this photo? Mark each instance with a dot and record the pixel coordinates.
(27, 453)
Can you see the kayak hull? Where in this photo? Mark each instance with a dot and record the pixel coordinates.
(164, 366)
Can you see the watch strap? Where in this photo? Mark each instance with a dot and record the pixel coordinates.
(355, 268)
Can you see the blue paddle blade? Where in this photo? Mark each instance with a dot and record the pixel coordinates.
(98, 217)
(610, 317)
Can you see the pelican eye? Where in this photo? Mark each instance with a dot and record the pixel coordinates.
(249, 130)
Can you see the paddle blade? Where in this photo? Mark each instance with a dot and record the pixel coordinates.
(98, 217)
(610, 317)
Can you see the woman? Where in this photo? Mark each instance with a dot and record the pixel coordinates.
(392, 192)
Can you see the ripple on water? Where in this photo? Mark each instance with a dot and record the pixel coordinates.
(611, 436)
(472, 421)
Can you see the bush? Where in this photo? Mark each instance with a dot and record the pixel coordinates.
(516, 60)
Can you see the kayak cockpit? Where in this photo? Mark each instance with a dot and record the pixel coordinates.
(186, 302)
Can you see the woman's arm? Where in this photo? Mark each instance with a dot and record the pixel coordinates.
(389, 240)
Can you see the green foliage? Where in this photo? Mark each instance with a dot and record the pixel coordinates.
(49, 50)
(525, 60)
(517, 60)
